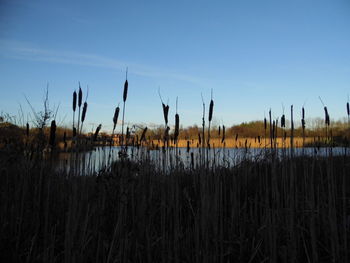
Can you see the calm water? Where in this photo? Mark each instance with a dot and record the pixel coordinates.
(101, 157)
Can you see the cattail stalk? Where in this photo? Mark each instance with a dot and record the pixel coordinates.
(271, 134)
(265, 128)
(83, 115)
(80, 101)
(291, 129)
(74, 108)
(303, 124)
(211, 107)
(125, 94)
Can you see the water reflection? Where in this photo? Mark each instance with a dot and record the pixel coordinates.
(101, 158)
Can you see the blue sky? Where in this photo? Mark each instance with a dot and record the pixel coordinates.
(255, 55)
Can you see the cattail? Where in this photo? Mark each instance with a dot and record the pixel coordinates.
(348, 108)
(219, 130)
(165, 112)
(223, 134)
(115, 117)
(80, 97)
(83, 115)
(265, 124)
(97, 131)
(303, 113)
(177, 125)
(166, 133)
(74, 131)
(327, 121)
(27, 129)
(125, 93)
(211, 106)
(283, 121)
(74, 100)
(143, 135)
(127, 132)
(188, 146)
(52, 133)
(303, 118)
(259, 139)
(236, 137)
(199, 139)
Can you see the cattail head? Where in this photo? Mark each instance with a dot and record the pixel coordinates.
(265, 124)
(80, 97)
(125, 93)
(97, 131)
(199, 138)
(115, 117)
(327, 121)
(211, 106)
(177, 125)
(165, 112)
(27, 129)
(83, 115)
(143, 135)
(348, 108)
(283, 121)
(223, 134)
(127, 132)
(219, 130)
(52, 133)
(188, 146)
(74, 100)
(166, 133)
(74, 131)
(303, 113)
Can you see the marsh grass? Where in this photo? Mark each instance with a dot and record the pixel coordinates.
(288, 210)
(145, 209)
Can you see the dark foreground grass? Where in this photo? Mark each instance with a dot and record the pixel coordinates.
(292, 210)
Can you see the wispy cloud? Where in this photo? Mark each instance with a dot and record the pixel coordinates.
(25, 51)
